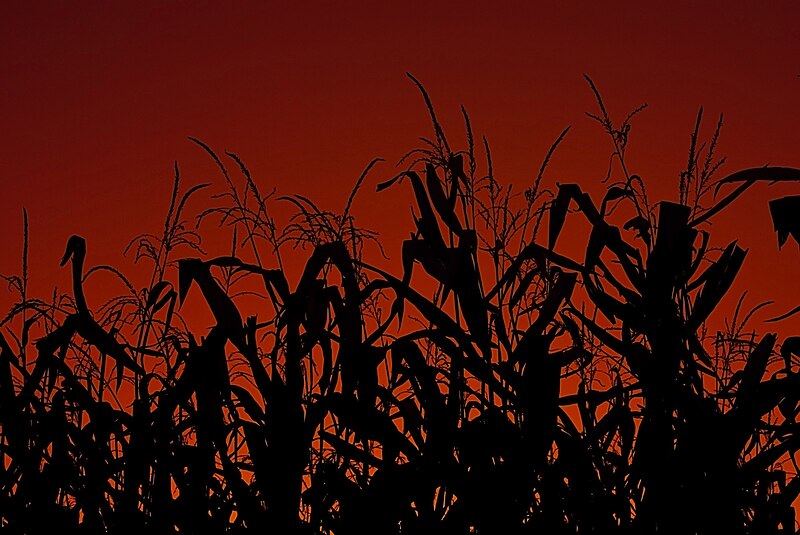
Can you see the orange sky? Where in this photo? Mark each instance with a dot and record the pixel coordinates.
(97, 99)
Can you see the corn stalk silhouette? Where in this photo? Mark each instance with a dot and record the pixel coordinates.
(504, 387)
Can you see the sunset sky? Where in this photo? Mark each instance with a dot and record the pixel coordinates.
(97, 100)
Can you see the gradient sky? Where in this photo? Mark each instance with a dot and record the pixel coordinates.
(97, 99)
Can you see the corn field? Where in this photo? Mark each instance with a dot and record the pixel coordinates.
(490, 383)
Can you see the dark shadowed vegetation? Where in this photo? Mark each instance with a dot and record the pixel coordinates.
(490, 383)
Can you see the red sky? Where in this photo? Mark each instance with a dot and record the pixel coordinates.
(97, 99)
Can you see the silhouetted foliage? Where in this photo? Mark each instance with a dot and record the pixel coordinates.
(491, 385)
